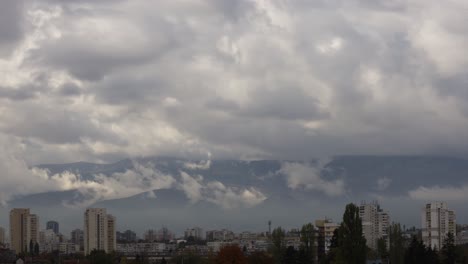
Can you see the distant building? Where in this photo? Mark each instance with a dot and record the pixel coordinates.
(53, 225)
(48, 241)
(151, 235)
(375, 223)
(23, 229)
(164, 235)
(325, 229)
(436, 222)
(462, 238)
(219, 235)
(126, 237)
(77, 238)
(195, 233)
(99, 230)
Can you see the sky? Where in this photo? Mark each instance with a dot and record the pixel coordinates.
(104, 80)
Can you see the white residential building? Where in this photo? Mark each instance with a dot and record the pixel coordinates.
(437, 221)
(375, 222)
(99, 230)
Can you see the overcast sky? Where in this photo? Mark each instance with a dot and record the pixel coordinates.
(101, 80)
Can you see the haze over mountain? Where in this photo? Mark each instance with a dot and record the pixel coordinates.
(244, 195)
(233, 90)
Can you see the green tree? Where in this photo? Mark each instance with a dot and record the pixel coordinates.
(278, 244)
(100, 257)
(307, 243)
(448, 251)
(382, 251)
(352, 247)
(396, 245)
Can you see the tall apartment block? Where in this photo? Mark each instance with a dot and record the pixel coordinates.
(375, 222)
(436, 222)
(99, 230)
(325, 229)
(24, 228)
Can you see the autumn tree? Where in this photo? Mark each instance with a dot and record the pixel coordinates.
(230, 255)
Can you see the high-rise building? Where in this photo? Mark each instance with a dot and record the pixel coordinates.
(23, 229)
(48, 241)
(77, 238)
(2, 235)
(111, 240)
(54, 225)
(375, 222)
(151, 235)
(437, 221)
(99, 230)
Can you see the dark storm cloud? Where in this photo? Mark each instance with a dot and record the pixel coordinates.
(238, 78)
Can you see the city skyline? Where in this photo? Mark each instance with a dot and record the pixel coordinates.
(229, 114)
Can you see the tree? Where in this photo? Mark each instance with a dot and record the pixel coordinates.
(396, 253)
(448, 251)
(351, 244)
(382, 251)
(31, 247)
(259, 257)
(100, 257)
(230, 255)
(418, 253)
(290, 256)
(36, 249)
(278, 243)
(307, 243)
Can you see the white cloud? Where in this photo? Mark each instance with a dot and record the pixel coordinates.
(217, 193)
(439, 193)
(307, 176)
(383, 183)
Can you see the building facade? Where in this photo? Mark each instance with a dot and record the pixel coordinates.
(53, 225)
(375, 223)
(23, 229)
(325, 229)
(436, 222)
(99, 230)
(77, 238)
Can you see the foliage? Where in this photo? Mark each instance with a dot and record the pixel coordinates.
(259, 258)
(418, 253)
(351, 244)
(100, 257)
(307, 243)
(230, 255)
(278, 244)
(396, 252)
(448, 252)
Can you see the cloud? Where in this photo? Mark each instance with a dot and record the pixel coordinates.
(217, 193)
(308, 177)
(383, 183)
(241, 80)
(440, 193)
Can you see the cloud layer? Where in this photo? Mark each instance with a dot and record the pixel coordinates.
(100, 81)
